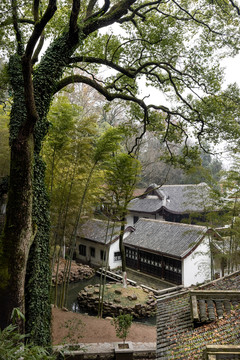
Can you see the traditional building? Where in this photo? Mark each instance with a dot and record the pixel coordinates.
(170, 202)
(178, 253)
(98, 242)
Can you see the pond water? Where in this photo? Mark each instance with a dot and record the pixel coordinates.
(75, 288)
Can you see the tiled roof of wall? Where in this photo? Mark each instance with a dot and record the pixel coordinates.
(176, 338)
(229, 282)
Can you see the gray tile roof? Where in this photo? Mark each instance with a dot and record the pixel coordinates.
(178, 199)
(170, 238)
(176, 336)
(96, 230)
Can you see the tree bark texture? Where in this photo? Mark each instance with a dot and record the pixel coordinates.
(18, 229)
(24, 245)
(17, 235)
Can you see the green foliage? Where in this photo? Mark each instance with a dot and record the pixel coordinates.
(158, 45)
(16, 316)
(4, 140)
(67, 152)
(107, 144)
(12, 345)
(122, 175)
(122, 325)
(231, 210)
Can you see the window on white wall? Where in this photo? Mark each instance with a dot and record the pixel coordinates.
(117, 256)
(82, 250)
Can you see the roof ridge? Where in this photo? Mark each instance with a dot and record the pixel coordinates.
(202, 183)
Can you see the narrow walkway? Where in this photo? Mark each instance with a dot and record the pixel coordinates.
(148, 280)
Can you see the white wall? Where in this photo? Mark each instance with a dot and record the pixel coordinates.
(114, 248)
(197, 266)
(97, 261)
(88, 258)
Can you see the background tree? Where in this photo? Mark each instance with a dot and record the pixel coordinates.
(157, 44)
(231, 233)
(104, 146)
(122, 176)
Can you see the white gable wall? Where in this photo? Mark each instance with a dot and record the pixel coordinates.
(114, 263)
(114, 248)
(197, 266)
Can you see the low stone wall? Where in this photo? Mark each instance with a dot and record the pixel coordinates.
(88, 299)
(78, 272)
(105, 351)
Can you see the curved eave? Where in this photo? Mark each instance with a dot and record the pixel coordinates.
(166, 209)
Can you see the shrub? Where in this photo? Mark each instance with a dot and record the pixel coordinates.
(122, 325)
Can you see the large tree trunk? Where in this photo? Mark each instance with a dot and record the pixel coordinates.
(38, 277)
(27, 218)
(18, 231)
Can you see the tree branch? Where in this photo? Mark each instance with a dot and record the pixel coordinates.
(196, 20)
(92, 60)
(39, 27)
(101, 89)
(38, 49)
(137, 11)
(115, 13)
(16, 28)
(73, 26)
(90, 8)
(235, 6)
(35, 11)
(9, 21)
(102, 11)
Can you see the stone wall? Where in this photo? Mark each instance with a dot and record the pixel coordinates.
(78, 272)
(89, 299)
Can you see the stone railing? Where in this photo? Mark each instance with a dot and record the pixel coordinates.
(217, 352)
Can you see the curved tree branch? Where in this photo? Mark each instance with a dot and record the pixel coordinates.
(97, 21)
(9, 21)
(101, 89)
(235, 6)
(93, 60)
(194, 18)
(101, 12)
(137, 11)
(90, 8)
